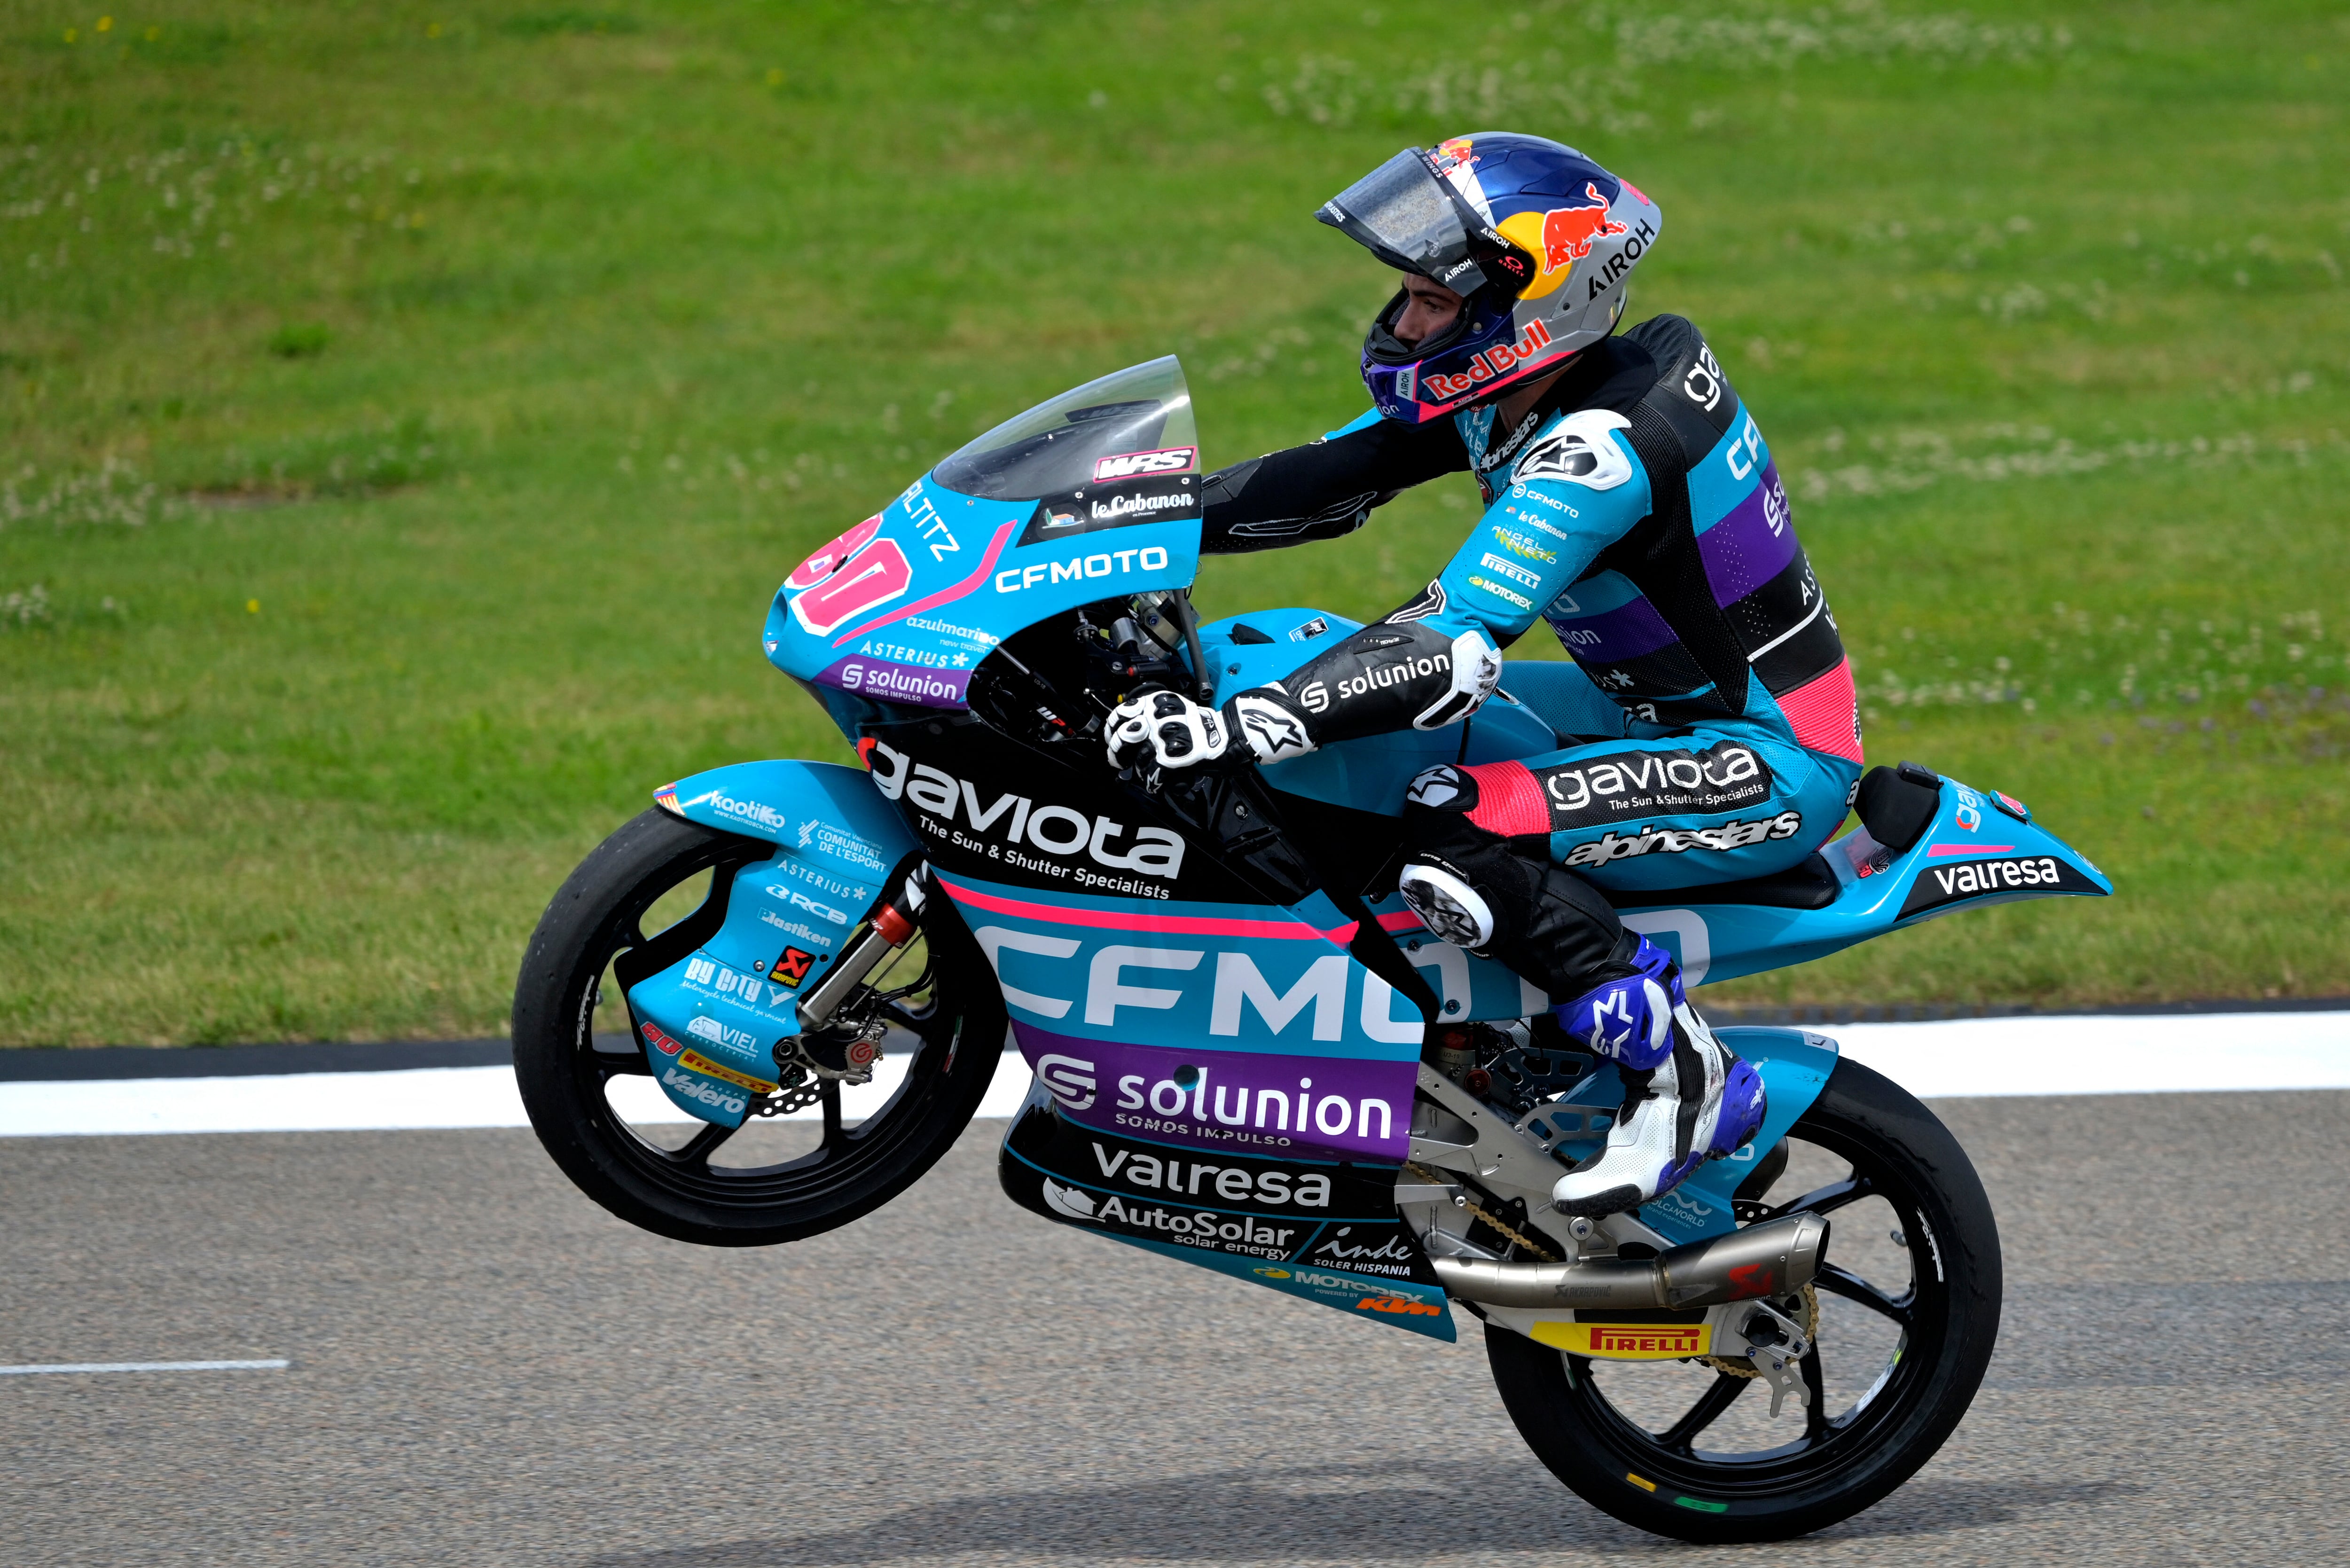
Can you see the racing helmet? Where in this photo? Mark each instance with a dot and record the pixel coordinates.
(1536, 238)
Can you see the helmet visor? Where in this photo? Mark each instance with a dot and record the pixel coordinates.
(1406, 215)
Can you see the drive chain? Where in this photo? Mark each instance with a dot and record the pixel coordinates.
(1481, 1212)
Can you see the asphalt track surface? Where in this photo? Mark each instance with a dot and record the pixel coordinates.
(487, 1369)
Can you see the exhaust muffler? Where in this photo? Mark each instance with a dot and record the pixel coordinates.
(1773, 1260)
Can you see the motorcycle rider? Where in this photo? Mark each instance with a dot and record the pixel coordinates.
(1708, 722)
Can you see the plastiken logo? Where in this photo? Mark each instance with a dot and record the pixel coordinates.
(1133, 464)
(1015, 822)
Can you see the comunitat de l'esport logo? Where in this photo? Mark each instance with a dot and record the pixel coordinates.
(1012, 820)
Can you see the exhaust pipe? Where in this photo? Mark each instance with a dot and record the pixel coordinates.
(1773, 1260)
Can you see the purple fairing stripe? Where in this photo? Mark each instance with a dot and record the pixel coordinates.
(1627, 632)
(1752, 543)
(1242, 1102)
(894, 682)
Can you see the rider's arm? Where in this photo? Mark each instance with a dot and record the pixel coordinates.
(1576, 491)
(1325, 490)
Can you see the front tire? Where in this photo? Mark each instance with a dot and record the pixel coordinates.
(955, 1034)
(1587, 1422)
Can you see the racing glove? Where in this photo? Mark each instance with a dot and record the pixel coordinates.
(1169, 730)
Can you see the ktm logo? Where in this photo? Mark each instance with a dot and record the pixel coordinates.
(1402, 1306)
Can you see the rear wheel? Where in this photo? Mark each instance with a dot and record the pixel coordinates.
(648, 896)
(1909, 1303)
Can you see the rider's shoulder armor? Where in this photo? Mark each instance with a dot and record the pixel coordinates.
(1689, 390)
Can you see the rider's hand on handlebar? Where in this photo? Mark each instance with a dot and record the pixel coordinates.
(1168, 730)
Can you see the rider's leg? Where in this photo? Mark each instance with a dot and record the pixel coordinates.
(1481, 842)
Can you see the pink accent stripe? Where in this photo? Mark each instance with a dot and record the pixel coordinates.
(986, 565)
(1188, 925)
(1509, 802)
(1400, 921)
(1824, 713)
(1936, 851)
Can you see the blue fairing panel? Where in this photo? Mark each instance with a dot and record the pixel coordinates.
(709, 1024)
(1794, 1067)
(825, 812)
(1982, 848)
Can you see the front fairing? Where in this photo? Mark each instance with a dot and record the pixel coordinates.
(1094, 495)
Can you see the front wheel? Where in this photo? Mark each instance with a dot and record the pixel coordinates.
(1908, 1310)
(647, 897)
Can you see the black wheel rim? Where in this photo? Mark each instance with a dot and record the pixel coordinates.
(848, 1160)
(1832, 1443)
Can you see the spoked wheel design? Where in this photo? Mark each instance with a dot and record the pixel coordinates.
(1909, 1311)
(648, 896)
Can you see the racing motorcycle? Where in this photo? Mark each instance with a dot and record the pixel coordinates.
(769, 1004)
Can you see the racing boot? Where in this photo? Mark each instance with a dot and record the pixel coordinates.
(1687, 1097)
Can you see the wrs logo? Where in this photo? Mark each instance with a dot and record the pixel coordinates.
(1134, 464)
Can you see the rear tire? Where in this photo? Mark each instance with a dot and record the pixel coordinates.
(956, 1037)
(1948, 1319)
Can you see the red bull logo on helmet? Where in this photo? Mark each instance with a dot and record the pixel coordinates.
(1567, 232)
(1502, 360)
(1561, 237)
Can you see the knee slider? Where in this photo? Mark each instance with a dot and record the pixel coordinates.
(1446, 904)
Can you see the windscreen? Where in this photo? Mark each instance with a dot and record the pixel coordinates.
(1129, 425)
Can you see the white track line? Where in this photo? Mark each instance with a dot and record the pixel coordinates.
(147, 1367)
(413, 1098)
(2169, 1052)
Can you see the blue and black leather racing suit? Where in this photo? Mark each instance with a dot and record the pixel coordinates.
(1708, 724)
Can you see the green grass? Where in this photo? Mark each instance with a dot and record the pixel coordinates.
(405, 422)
